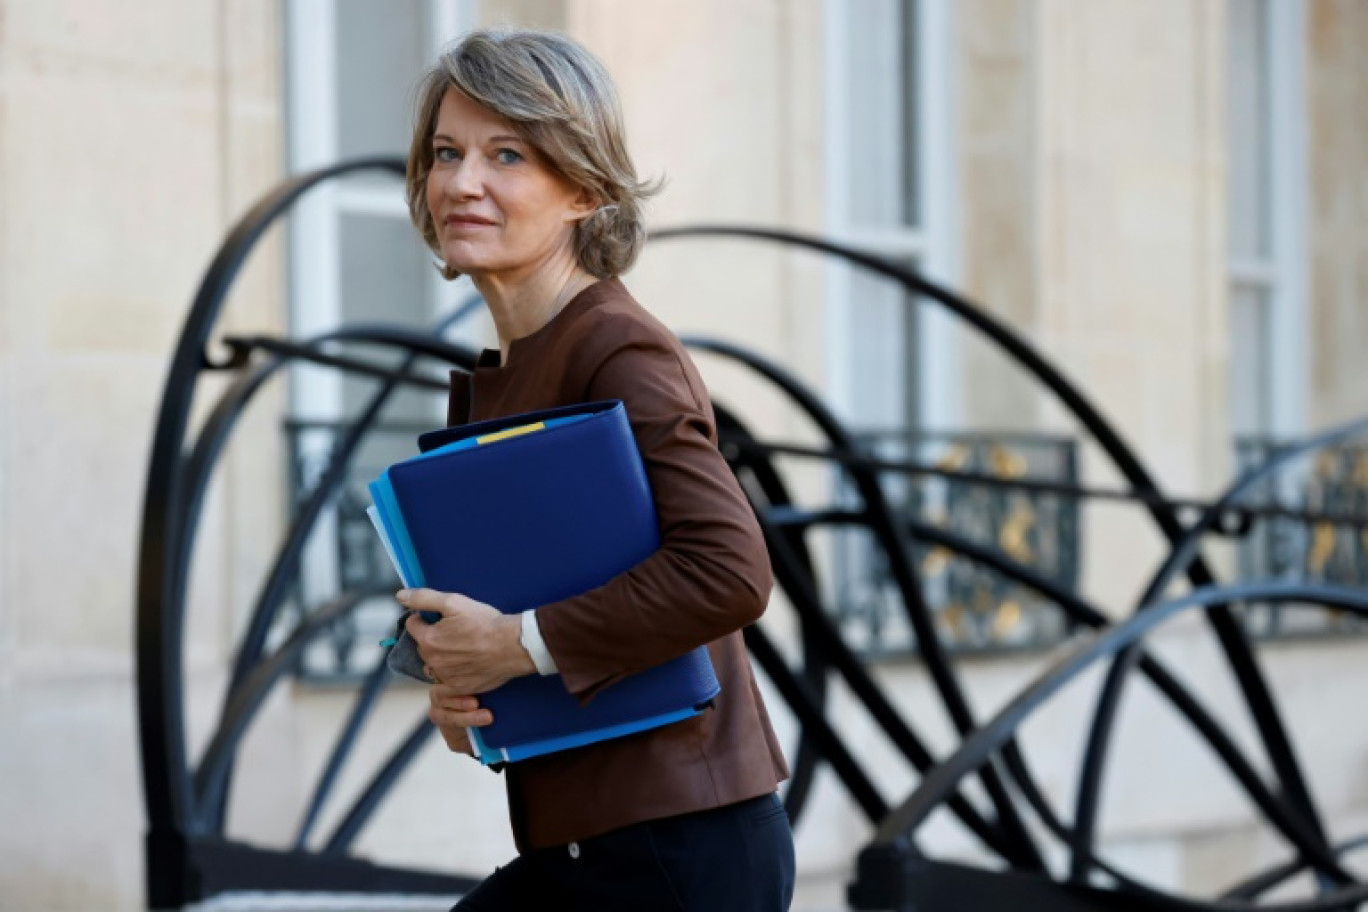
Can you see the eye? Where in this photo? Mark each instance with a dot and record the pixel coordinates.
(445, 154)
(508, 156)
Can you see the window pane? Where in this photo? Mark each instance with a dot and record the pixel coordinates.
(1249, 138)
(882, 136)
(380, 52)
(911, 117)
(384, 280)
(883, 340)
(1249, 341)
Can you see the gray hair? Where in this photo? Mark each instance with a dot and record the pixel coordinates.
(560, 99)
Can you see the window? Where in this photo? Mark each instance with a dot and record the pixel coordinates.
(1268, 322)
(352, 69)
(891, 190)
(352, 66)
(894, 371)
(1267, 199)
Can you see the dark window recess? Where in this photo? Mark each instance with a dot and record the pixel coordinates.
(975, 609)
(1332, 482)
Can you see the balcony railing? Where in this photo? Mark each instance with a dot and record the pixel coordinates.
(976, 610)
(191, 856)
(1312, 550)
(974, 607)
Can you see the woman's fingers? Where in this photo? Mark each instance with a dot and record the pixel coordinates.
(457, 741)
(456, 709)
(478, 719)
(465, 719)
(424, 600)
(445, 700)
(453, 712)
(449, 697)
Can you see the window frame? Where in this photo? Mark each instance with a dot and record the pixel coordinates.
(1280, 275)
(315, 224)
(934, 244)
(315, 235)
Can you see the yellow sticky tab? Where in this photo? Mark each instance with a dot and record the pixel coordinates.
(510, 432)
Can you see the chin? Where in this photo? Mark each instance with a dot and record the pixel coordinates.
(468, 262)
(475, 266)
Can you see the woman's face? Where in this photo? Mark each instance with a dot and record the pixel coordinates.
(495, 204)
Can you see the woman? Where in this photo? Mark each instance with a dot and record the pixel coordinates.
(518, 176)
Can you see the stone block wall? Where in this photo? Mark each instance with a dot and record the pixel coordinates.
(1091, 146)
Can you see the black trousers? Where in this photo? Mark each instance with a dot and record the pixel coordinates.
(737, 858)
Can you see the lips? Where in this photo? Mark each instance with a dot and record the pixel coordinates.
(467, 221)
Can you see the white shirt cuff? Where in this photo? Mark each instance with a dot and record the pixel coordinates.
(532, 641)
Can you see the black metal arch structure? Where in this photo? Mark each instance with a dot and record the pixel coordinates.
(189, 857)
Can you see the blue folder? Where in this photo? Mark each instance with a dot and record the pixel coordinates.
(526, 510)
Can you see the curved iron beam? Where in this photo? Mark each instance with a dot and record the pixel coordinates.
(1011, 342)
(160, 672)
(234, 401)
(218, 426)
(897, 828)
(209, 817)
(1280, 874)
(427, 343)
(803, 770)
(311, 354)
(365, 805)
(1239, 654)
(805, 705)
(360, 811)
(370, 691)
(862, 685)
(1227, 628)
(287, 558)
(884, 525)
(245, 699)
(1081, 612)
(1273, 807)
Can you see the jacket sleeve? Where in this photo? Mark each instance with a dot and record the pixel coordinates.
(711, 575)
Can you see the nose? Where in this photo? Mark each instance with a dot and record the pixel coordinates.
(465, 180)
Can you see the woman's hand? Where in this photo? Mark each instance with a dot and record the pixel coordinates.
(453, 712)
(473, 648)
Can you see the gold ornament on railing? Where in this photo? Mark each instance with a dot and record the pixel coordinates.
(1007, 619)
(1322, 548)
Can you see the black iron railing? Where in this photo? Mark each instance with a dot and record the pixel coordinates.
(976, 608)
(190, 855)
(353, 557)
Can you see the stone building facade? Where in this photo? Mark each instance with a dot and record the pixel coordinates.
(1098, 173)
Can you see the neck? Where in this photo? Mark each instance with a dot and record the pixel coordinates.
(521, 305)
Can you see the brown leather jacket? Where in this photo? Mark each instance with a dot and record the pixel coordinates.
(709, 579)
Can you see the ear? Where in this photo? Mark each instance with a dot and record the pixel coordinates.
(583, 205)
